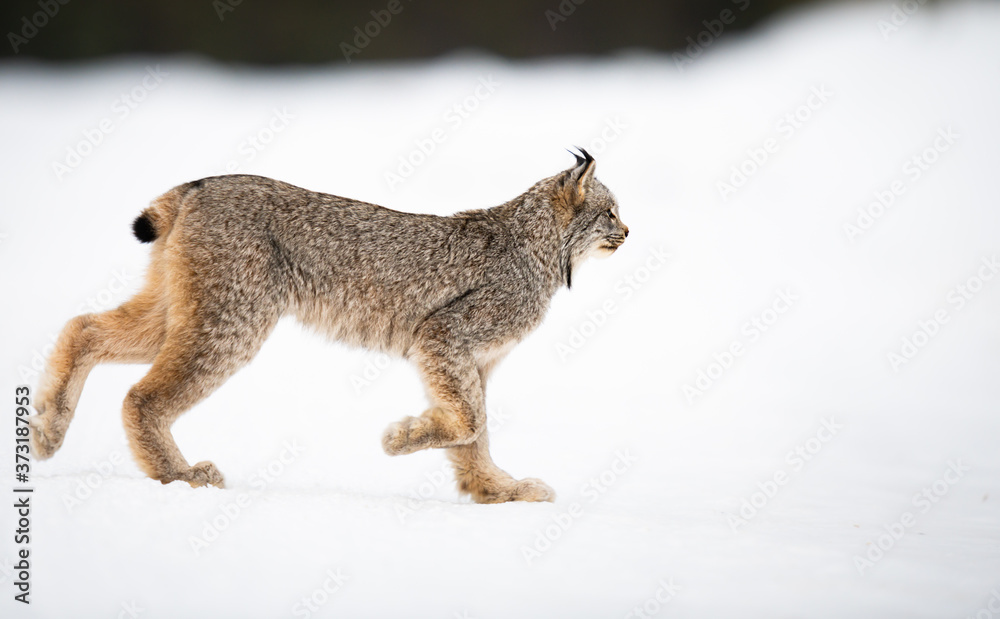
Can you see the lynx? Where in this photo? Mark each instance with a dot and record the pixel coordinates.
(231, 255)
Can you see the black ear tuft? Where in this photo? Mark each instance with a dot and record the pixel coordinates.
(581, 160)
(143, 229)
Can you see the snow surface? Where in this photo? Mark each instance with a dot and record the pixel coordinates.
(776, 249)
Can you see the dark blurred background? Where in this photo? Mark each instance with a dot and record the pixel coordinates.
(313, 31)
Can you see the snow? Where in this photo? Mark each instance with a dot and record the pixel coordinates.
(814, 421)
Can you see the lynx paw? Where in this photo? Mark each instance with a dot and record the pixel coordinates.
(534, 490)
(43, 444)
(530, 489)
(404, 437)
(205, 474)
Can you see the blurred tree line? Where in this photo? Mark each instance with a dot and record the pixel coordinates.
(314, 31)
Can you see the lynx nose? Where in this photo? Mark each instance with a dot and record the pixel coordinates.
(626, 231)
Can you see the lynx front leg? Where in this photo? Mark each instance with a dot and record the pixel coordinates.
(458, 414)
(479, 477)
(458, 421)
(483, 480)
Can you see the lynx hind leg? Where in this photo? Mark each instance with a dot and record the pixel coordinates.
(151, 407)
(218, 317)
(199, 355)
(485, 482)
(132, 333)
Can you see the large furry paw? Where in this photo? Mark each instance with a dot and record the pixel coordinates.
(42, 442)
(405, 437)
(204, 474)
(531, 489)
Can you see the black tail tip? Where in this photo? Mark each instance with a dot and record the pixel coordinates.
(143, 229)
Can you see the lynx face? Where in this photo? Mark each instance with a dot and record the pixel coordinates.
(593, 227)
(606, 231)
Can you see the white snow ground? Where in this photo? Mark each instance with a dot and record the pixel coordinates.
(107, 542)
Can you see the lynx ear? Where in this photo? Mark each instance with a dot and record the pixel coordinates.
(583, 172)
(575, 181)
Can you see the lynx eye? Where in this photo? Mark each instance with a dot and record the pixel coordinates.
(611, 214)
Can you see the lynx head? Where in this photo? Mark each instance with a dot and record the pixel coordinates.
(587, 213)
